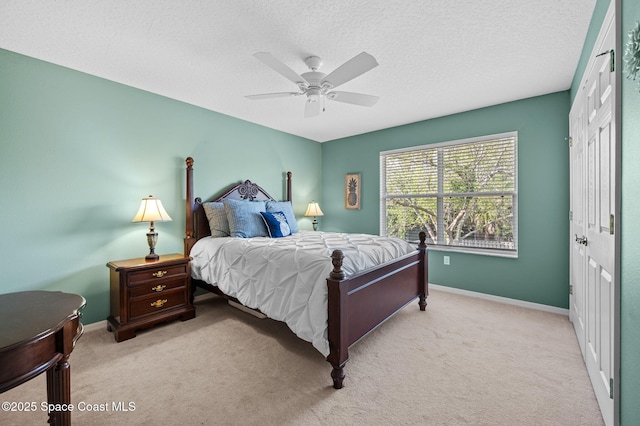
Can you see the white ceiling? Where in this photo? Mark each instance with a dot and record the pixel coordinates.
(437, 57)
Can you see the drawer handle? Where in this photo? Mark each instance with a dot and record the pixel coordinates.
(159, 303)
(159, 288)
(160, 274)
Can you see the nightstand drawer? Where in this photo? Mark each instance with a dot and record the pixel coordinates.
(156, 287)
(156, 304)
(157, 273)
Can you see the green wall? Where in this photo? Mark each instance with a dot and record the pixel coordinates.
(77, 153)
(630, 248)
(540, 274)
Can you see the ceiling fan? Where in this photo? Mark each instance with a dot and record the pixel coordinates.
(317, 86)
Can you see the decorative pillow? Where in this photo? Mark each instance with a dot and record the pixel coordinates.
(217, 217)
(284, 207)
(276, 224)
(244, 218)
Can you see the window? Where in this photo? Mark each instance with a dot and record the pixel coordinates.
(463, 194)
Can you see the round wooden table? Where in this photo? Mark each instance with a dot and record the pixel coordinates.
(38, 331)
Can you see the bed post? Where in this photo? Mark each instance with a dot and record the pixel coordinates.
(189, 238)
(337, 336)
(423, 273)
(289, 187)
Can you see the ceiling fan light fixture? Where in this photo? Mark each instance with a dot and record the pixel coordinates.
(314, 94)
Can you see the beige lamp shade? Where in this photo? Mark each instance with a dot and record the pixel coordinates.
(151, 210)
(313, 210)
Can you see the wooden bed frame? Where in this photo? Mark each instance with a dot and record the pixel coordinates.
(357, 304)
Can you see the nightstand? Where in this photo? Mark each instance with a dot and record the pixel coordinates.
(144, 293)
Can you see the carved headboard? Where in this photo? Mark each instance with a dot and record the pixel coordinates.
(197, 225)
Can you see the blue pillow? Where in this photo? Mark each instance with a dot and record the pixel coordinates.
(244, 218)
(218, 223)
(276, 224)
(284, 207)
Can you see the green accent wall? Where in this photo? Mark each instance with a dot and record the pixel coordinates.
(630, 248)
(540, 274)
(77, 154)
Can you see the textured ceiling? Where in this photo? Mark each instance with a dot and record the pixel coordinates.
(437, 57)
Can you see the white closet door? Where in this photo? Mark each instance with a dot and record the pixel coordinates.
(593, 202)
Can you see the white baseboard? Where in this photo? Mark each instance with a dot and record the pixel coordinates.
(561, 311)
(95, 325)
(516, 302)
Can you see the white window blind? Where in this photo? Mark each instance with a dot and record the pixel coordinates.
(463, 194)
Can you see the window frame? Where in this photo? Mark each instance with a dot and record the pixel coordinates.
(440, 195)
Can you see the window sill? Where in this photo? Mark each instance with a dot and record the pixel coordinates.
(481, 252)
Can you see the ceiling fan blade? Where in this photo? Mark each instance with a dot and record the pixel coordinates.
(351, 69)
(312, 109)
(273, 95)
(353, 98)
(282, 69)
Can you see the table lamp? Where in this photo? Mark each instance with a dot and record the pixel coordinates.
(314, 210)
(151, 210)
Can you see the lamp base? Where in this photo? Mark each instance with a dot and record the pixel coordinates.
(152, 256)
(152, 239)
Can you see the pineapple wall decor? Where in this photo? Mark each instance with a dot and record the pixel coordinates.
(352, 191)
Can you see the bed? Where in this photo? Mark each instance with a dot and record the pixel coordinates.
(350, 287)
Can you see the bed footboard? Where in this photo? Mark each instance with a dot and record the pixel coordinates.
(360, 303)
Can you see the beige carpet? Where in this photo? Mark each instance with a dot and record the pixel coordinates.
(463, 361)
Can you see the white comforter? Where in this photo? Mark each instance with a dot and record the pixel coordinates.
(285, 278)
